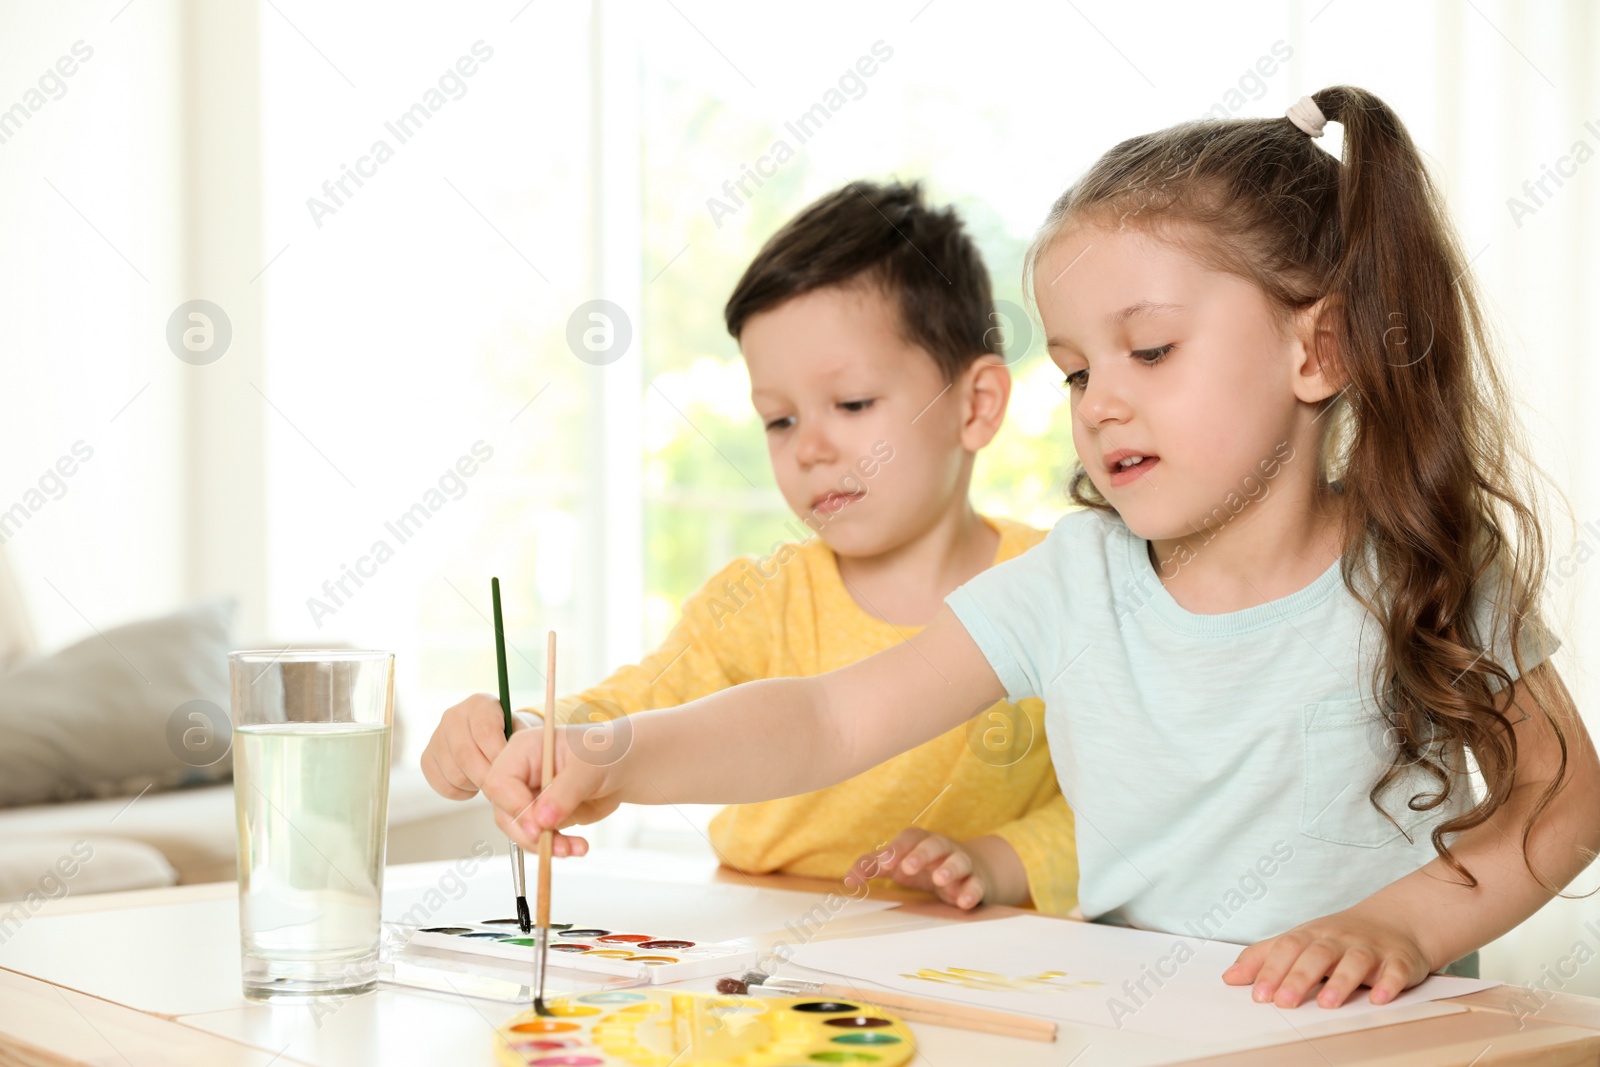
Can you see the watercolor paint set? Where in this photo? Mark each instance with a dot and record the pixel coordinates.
(651, 959)
(663, 1028)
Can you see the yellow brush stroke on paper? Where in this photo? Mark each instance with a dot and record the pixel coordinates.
(1044, 981)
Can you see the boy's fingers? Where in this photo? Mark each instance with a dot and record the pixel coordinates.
(858, 874)
(486, 737)
(964, 893)
(890, 856)
(469, 760)
(443, 781)
(880, 862)
(956, 867)
(464, 790)
(930, 851)
(971, 893)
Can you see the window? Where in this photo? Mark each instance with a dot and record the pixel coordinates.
(413, 378)
(430, 212)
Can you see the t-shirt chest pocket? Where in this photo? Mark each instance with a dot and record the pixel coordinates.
(1345, 753)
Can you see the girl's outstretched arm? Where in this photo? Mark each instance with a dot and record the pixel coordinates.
(1395, 938)
(758, 741)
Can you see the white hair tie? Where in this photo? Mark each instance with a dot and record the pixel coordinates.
(1305, 114)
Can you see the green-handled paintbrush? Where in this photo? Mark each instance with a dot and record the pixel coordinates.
(518, 870)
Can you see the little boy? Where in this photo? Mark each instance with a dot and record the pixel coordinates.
(866, 326)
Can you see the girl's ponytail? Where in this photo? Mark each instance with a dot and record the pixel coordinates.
(1445, 501)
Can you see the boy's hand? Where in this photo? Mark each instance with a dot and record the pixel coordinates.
(931, 862)
(1349, 948)
(464, 744)
(579, 793)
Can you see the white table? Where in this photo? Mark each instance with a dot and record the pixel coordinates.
(153, 978)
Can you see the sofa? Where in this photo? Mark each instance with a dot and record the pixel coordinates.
(84, 824)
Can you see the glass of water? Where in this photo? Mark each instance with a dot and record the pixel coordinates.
(311, 793)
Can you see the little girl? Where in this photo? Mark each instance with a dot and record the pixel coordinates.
(1289, 646)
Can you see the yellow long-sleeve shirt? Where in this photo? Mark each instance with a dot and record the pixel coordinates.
(790, 615)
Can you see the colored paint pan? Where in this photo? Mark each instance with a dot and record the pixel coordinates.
(544, 1026)
(543, 1044)
(867, 1037)
(825, 1007)
(643, 957)
(613, 998)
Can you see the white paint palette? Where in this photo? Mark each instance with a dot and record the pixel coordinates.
(652, 959)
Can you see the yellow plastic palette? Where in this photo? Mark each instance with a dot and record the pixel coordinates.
(660, 1028)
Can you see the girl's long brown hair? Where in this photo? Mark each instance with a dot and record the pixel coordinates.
(1420, 442)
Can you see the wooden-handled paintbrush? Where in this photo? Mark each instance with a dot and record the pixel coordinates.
(518, 870)
(547, 771)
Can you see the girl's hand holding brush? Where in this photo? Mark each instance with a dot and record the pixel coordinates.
(524, 805)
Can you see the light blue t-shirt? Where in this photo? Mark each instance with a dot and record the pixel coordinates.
(1218, 765)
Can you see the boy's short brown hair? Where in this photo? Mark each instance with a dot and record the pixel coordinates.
(883, 235)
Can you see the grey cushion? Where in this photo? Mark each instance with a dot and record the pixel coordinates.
(36, 869)
(143, 705)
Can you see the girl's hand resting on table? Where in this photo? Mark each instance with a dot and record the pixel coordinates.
(1349, 948)
(930, 862)
(580, 792)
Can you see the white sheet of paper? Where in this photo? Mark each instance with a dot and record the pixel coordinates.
(1094, 975)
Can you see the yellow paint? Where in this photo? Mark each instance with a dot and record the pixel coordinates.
(1044, 981)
